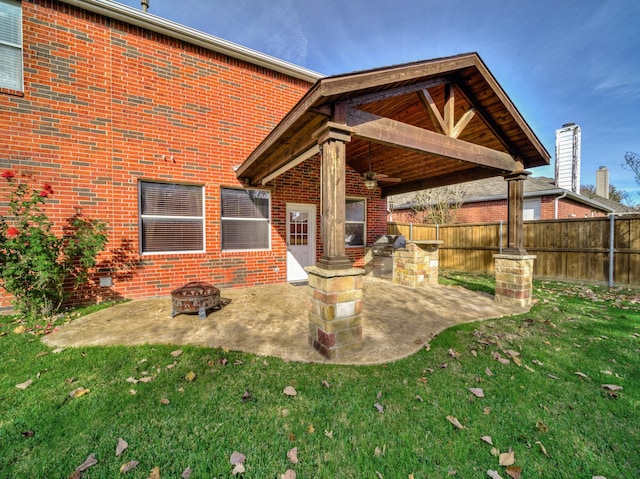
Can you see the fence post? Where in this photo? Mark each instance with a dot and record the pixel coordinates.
(612, 222)
(500, 237)
(411, 231)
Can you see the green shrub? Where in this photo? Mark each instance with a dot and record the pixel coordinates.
(35, 263)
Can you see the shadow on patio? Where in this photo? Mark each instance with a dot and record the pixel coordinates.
(272, 321)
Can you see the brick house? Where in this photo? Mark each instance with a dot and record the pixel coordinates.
(485, 201)
(213, 162)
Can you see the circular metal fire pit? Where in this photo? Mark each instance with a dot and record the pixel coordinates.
(193, 297)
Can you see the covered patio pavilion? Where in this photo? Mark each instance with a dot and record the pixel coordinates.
(424, 124)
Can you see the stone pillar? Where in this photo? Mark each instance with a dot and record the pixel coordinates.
(335, 310)
(333, 138)
(514, 279)
(515, 208)
(417, 264)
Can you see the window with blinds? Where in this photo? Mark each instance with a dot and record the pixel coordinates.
(11, 45)
(354, 225)
(171, 218)
(246, 221)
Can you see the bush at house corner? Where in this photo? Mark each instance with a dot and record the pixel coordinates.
(35, 264)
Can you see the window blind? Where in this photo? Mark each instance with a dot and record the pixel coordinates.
(11, 45)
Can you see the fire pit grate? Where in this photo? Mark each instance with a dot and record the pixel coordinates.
(195, 297)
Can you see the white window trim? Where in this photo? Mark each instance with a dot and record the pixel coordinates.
(20, 48)
(233, 218)
(201, 218)
(364, 222)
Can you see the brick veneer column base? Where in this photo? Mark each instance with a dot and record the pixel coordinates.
(514, 279)
(335, 310)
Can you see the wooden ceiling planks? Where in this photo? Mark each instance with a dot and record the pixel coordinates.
(406, 142)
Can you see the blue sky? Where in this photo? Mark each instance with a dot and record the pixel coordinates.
(559, 61)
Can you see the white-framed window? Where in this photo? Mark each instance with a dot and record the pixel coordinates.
(355, 222)
(531, 209)
(11, 45)
(171, 218)
(245, 219)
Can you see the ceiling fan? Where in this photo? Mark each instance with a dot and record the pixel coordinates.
(371, 177)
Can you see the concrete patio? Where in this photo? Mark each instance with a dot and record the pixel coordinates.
(272, 321)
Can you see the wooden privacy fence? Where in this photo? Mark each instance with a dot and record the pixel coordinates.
(580, 249)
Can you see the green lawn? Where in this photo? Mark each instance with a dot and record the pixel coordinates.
(559, 424)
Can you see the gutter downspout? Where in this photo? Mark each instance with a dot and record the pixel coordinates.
(556, 201)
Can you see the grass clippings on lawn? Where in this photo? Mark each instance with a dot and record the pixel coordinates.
(552, 393)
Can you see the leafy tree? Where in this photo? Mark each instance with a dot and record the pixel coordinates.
(615, 194)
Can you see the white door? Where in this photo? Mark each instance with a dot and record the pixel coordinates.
(301, 240)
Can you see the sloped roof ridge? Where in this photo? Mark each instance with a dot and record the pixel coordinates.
(133, 16)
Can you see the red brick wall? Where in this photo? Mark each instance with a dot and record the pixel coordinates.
(107, 104)
(494, 211)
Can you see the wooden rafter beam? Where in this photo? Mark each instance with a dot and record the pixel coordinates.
(393, 92)
(446, 124)
(432, 110)
(397, 134)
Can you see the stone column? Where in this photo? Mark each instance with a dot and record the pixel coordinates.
(335, 310)
(417, 264)
(514, 279)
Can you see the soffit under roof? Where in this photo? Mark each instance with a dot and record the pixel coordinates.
(377, 104)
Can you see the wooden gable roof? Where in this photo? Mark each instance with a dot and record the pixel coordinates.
(428, 124)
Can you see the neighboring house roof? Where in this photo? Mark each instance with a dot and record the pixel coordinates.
(171, 29)
(492, 189)
(395, 126)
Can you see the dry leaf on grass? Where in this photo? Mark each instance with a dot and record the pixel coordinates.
(582, 375)
(176, 353)
(329, 434)
(507, 458)
(311, 429)
(514, 471)
(127, 466)
(326, 384)
(25, 384)
(155, 473)
(493, 474)
(487, 439)
(238, 469)
(542, 448)
(237, 458)
(190, 376)
(165, 401)
(292, 455)
(488, 372)
(79, 392)
(246, 396)
(379, 407)
(612, 387)
(289, 391)
(289, 474)
(553, 377)
(453, 353)
(455, 422)
(186, 474)
(88, 462)
(147, 379)
(132, 380)
(542, 427)
(477, 392)
(121, 447)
